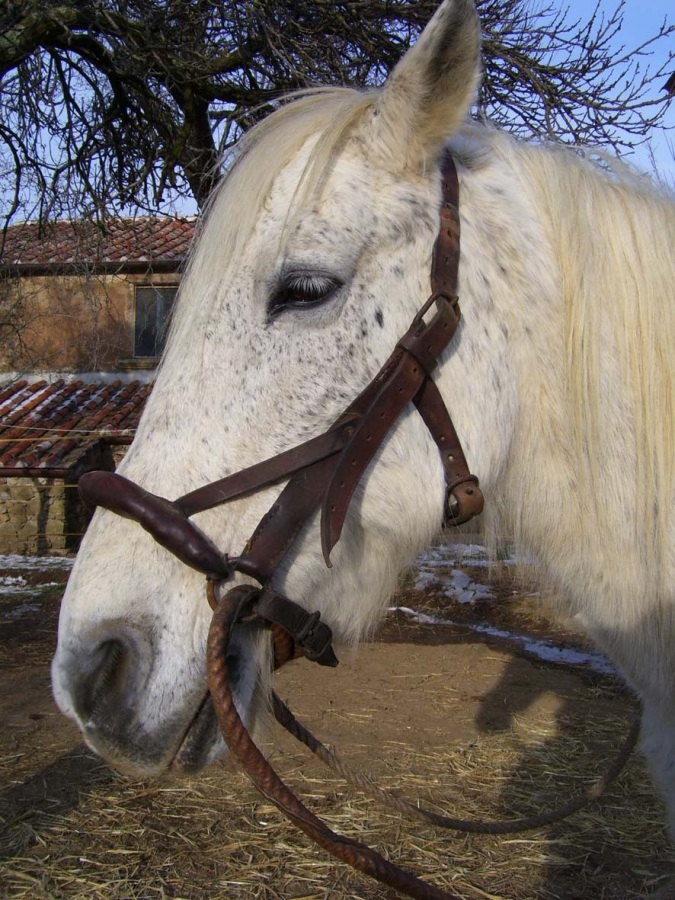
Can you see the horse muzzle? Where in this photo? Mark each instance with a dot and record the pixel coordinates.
(144, 716)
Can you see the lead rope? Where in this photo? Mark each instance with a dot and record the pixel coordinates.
(412, 808)
(227, 612)
(266, 780)
(283, 652)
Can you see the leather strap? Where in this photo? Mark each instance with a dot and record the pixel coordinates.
(269, 471)
(309, 632)
(464, 499)
(399, 381)
(280, 526)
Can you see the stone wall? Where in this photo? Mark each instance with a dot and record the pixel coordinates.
(37, 515)
(44, 515)
(72, 323)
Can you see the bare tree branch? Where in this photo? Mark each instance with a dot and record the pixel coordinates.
(108, 105)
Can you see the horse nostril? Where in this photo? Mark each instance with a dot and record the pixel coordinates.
(107, 680)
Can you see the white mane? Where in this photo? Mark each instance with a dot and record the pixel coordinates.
(612, 236)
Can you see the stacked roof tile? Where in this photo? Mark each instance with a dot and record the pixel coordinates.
(148, 239)
(49, 427)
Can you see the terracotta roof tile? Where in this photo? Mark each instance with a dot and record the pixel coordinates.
(143, 239)
(51, 426)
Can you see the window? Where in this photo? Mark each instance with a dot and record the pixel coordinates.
(153, 312)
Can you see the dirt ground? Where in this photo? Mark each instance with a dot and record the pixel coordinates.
(471, 722)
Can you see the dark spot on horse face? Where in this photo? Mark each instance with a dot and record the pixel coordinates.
(379, 318)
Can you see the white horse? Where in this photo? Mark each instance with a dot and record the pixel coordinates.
(311, 262)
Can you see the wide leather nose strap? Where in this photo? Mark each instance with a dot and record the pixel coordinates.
(162, 519)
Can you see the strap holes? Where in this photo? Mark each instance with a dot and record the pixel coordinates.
(353, 462)
(451, 457)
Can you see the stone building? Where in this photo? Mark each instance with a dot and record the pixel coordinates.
(83, 316)
(75, 297)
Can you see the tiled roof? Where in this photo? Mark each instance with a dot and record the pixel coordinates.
(121, 241)
(50, 426)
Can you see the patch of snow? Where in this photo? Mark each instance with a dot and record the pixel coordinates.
(35, 563)
(469, 550)
(9, 580)
(544, 650)
(464, 590)
(455, 585)
(448, 554)
(19, 611)
(11, 584)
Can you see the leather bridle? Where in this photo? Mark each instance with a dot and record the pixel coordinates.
(325, 470)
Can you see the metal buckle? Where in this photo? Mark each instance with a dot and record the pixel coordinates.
(453, 300)
(463, 503)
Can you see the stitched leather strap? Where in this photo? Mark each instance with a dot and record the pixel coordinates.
(464, 499)
(269, 471)
(398, 382)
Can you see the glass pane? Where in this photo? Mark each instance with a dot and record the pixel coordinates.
(153, 313)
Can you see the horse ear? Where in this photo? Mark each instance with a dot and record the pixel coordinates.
(429, 93)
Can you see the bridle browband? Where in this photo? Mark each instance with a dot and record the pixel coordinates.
(325, 470)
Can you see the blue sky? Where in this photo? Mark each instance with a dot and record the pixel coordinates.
(642, 19)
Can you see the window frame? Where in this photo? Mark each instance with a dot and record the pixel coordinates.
(159, 341)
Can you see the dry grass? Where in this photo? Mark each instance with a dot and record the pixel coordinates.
(105, 836)
(72, 828)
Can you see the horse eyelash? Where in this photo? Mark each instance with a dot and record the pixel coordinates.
(295, 291)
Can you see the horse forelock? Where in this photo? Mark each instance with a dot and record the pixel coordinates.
(323, 116)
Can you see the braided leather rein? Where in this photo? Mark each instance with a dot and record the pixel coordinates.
(322, 472)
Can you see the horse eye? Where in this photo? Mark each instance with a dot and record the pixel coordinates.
(300, 291)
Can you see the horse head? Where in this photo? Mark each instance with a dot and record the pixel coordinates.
(312, 260)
